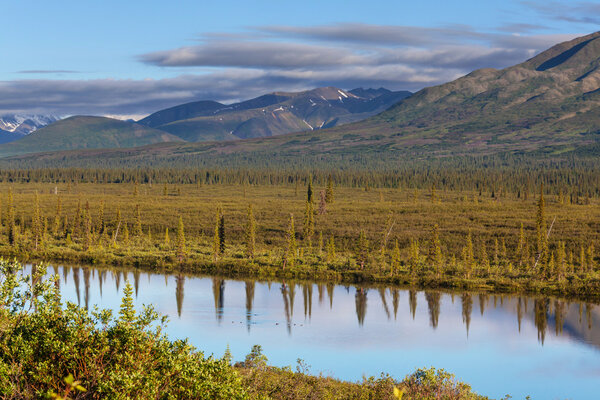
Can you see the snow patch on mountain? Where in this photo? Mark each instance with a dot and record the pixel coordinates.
(24, 124)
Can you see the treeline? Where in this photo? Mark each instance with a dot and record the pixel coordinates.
(573, 179)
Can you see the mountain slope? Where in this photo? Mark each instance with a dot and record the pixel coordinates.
(84, 132)
(272, 114)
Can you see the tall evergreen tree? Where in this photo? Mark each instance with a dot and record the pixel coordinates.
(330, 250)
(309, 190)
(137, 227)
(468, 256)
(101, 223)
(167, 240)
(395, 259)
(222, 234)
(181, 247)
(289, 257)
(36, 225)
(217, 236)
(250, 233)
(541, 230)
(362, 249)
(329, 195)
(309, 223)
(435, 252)
(10, 219)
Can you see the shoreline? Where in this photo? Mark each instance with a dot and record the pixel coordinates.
(236, 268)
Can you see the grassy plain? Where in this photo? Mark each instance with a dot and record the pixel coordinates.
(383, 215)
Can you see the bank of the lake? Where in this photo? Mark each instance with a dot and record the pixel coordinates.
(269, 265)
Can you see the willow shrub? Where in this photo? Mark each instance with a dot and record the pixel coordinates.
(117, 357)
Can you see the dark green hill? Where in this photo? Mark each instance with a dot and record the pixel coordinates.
(84, 132)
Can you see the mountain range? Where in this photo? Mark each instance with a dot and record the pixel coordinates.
(268, 115)
(548, 105)
(272, 114)
(15, 126)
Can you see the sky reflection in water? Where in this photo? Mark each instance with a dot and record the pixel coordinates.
(542, 347)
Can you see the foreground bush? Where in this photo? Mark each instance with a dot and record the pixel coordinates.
(283, 383)
(113, 357)
(51, 351)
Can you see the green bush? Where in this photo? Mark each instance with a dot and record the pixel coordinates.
(124, 357)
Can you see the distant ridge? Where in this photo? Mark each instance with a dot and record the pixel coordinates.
(83, 132)
(272, 114)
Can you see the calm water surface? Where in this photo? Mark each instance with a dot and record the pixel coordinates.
(543, 347)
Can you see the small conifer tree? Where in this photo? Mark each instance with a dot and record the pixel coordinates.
(309, 223)
(362, 249)
(289, 258)
(330, 250)
(167, 240)
(329, 196)
(436, 256)
(250, 233)
(137, 227)
(181, 247)
(395, 259)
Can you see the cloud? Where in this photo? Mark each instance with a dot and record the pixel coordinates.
(232, 67)
(48, 71)
(250, 54)
(581, 12)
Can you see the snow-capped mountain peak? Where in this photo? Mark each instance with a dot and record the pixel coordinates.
(24, 124)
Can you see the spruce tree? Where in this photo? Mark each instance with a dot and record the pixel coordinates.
(137, 227)
(362, 249)
(330, 250)
(118, 223)
(521, 247)
(414, 256)
(289, 258)
(541, 230)
(57, 217)
(126, 233)
(435, 250)
(167, 240)
(87, 235)
(101, 223)
(76, 229)
(216, 236)
(10, 219)
(329, 196)
(250, 233)
(37, 221)
(591, 262)
(181, 248)
(309, 191)
(320, 250)
(468, 256)
(222, 234)
(309, 223)
(395, 259)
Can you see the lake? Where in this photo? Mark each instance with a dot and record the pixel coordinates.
(544, 347)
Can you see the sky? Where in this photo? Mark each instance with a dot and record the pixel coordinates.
(131, 58)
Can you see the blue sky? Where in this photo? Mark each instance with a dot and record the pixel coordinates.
(134, 57)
